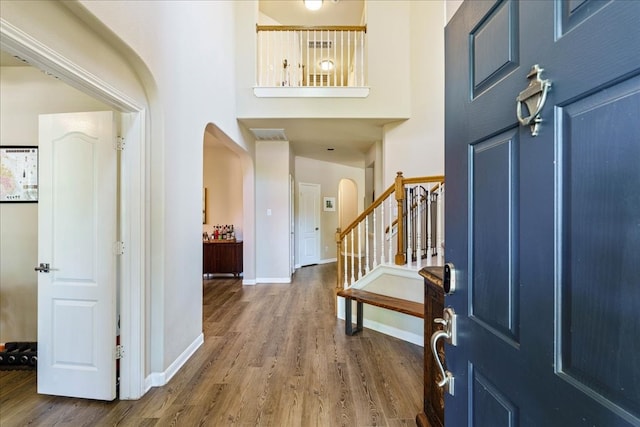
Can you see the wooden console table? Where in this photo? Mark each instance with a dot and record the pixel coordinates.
(432, 414)
(222, 256)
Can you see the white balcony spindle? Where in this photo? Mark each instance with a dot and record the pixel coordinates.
(268, 58)
(361, 59)
(299, 70)
(280, 58)
(260, 61)
(341, 57)
(349, 58)
(335, 66)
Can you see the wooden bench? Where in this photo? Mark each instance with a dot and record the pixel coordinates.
(362, 297)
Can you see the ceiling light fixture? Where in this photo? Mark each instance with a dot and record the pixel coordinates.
(326, 65)
(312, 4)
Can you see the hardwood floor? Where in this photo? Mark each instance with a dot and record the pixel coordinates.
(274, 355)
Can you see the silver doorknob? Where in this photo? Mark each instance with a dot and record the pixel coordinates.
(449, 333)
(43, 268)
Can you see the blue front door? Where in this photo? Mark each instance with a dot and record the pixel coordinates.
(544, 231)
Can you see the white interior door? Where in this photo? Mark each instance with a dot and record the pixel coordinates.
(77, 215)
(309, 223)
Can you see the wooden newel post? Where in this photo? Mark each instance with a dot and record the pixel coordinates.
(339, 267)
(399, 190)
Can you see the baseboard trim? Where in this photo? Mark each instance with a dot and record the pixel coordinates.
(322, 261)
(394, 332)
(159, 379)
(273, 279)
(250, 282)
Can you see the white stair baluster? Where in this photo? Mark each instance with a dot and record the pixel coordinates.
(353, 270)
(359, 250)
(429, 219)
(366, 244)
(382, 232)
(375, 240)
(345, 265)
(391, 215)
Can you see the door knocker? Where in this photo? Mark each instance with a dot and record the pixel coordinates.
(534, 96)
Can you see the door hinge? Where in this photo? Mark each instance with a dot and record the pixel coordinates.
(119, 145)
(119, 351)
(118, 248)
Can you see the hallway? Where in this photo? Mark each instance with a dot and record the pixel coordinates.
(274, 355)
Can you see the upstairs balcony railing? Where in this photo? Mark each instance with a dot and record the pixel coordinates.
(298, 56)
(404, 226)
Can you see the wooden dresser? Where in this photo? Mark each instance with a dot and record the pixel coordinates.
(222, 256)
(432, 414)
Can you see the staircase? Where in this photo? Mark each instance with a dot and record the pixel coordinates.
(381, 253)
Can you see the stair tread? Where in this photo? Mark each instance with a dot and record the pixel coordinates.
(411, 308)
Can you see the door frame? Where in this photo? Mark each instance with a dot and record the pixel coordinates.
(132, 274)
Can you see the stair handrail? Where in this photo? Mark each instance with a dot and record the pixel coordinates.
(397, 189)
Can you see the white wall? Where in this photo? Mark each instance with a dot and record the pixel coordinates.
(416, 146)
(272, 211)
(26, 92)
(223, 181)
(328, 175)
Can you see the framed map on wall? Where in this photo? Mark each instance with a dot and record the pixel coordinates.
(18, 174)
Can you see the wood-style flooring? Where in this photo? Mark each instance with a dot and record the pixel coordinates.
(274, 355)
